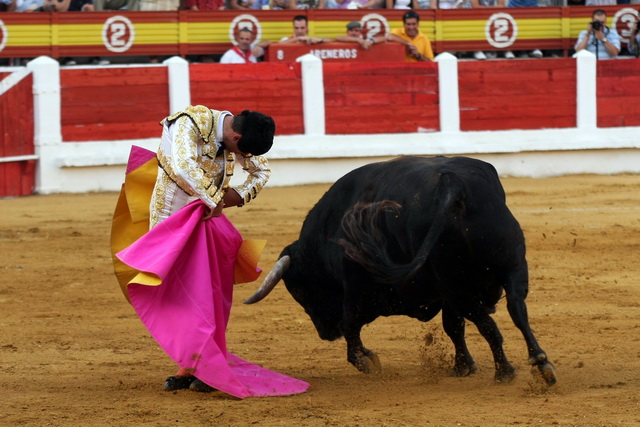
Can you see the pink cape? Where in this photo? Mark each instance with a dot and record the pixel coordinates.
(188, 312)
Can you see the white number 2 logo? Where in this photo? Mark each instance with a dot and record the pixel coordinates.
(501, 30)
(118, 34)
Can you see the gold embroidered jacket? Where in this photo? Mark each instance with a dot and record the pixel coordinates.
(190, 159)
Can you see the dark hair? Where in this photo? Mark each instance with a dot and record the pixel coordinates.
(410, 14)
(599, 12)
(245, 30)
(300, 18)
(257, 132)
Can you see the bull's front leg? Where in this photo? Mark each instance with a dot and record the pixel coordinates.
(362, 358)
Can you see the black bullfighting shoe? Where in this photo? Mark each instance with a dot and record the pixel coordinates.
(178, 382)
(198, 385)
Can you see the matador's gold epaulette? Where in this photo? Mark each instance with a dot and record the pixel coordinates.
(200, 115)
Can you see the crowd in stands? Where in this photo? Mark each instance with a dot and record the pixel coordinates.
(169, 5)
(597, 38)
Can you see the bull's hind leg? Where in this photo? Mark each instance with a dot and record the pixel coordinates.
(518, 312)
(487, 327)
(454, 326)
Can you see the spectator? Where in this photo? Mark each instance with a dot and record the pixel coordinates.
(354, 4)
(600, 2)
(29, 5)
(306, 4)
(402, 4)
(446, 4)
(418, 46)
(279, 4)
(72, 6)
(602, 41)
(159, 5)
(634, 40)
(68, 6)
(483, 4)
(7, 5)
(243, 52)
(536, 53)
(108, 5)
(245, 4)
(301, 32)
(354, 35)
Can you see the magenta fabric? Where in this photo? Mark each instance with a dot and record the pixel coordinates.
(188, 313)
(138, 156)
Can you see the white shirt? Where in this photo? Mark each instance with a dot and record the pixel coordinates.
(233, 57)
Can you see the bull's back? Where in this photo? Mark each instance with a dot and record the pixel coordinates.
(412, 182)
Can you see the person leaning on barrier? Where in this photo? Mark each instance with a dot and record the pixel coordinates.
(244, 52)
(354, 35)
(602, 41)
(301, 33)
(416, 43)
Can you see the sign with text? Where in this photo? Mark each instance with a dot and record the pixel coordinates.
(336, 52)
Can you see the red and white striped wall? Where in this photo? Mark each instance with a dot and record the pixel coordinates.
(528, 117)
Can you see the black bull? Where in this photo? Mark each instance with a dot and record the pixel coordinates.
(412, 236)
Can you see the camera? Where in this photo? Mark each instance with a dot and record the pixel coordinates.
(596, 25)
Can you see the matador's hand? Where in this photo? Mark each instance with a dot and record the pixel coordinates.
(213, 213)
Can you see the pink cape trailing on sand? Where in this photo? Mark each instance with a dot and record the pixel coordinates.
(182, 292)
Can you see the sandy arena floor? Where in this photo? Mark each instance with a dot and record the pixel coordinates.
(73, 352)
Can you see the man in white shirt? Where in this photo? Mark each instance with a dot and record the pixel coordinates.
(243, 52)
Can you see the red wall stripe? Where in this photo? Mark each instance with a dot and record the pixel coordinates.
(113, 103)
(16, 139)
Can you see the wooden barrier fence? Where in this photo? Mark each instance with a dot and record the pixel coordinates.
(17, 155)
(102, 107)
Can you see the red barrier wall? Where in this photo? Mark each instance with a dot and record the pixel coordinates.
(619, 93)
(272, 88)
(524, 94)
(381, 98)
(113, 103)
(16, 139)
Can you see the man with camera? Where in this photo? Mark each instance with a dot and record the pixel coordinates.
(602, 41)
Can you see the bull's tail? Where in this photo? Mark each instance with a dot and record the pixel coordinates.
(366, 243)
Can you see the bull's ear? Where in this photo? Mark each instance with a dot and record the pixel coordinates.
(271, 280)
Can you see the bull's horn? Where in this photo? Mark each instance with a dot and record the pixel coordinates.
(270, 281)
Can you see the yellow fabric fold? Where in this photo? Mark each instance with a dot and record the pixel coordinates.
(247, 261)
(131, 217)
(131, 221)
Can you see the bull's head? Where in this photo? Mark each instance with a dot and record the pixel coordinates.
(314, 290)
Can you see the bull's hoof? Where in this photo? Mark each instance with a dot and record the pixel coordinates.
(548, 373)
(464, 369)
(369, 363)
(505, 374)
